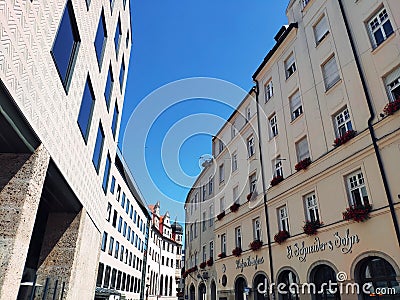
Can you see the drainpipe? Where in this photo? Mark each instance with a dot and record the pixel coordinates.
(370, 125)
(271, 266)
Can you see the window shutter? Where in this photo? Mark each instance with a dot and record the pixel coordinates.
(320, 29)
(331, 72)
(302, 149)
(289, 61)
(295, 101)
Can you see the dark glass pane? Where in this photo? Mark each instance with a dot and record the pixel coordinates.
(114, 121)
(85, 112)
(64, 43)
(100, 39)
(109, 85)
(121, 74)
(112, 187)
(117, 36)
(378, 37)
(388, 28)
(106, 173)
(98, 148)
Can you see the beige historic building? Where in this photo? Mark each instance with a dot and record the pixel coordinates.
(325, 205)
(63, 67)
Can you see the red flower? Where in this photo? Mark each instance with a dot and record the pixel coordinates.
(210, 262)
(358, 213)
(281, 236)
(221, 215)
(276, 180)
(203, 265)
(303, 164)
(222, 255)
(255, 245)
(237, 251)
(392, 107)
(234, 207)
(311, 227)
(347, 136)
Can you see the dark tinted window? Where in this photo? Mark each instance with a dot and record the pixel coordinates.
(109, 86)
(86, 110)
(101, 38)
(98, 148)
(106, 173)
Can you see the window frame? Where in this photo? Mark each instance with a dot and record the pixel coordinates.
(333, 77)
(98, 163)
(283, 219)
(311, 207)
(295, 111)
(238, 237)
(257, 233)
(273, 126)
(345, 122)
(306, 154)
(268, 90)
(290, 66)
(250, 146)
(223, 243)
(319, 39)
(234, 162)
(380, 27)
(85, 134)
(359, 187)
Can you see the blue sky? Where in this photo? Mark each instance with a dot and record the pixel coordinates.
(175, 40)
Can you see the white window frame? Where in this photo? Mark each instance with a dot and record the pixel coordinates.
(356, 186)
(220, 146)
(330, 72)
(212, 249)
(210, 185)
(257, 229)
(296, 106)
(290, 65)
(321, 29)
(223, 243)
(269, 90)
(211, 212)
(222, 204)
(238, 237)
(204, 220)
(342, 122)
(376, 23)
(283, 218)
(304, 3)
(277, 166)
(273, 126)
(221, 173)
(235, 194)
(204, 253)
(252, 182)
(392, 83)
(302, 149)
(234, 162)
(250, 146)
(311, 205)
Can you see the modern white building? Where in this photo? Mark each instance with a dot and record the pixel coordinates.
(63, 67)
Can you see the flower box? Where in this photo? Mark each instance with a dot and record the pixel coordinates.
(222, 255)
(255, 245)
(311, 227)
(281, 236)
(392, 107)
(203, 265)
(303, 164)
(234, 207)
(359, 213)
(276, 180)
(347, 136)
(221, 215)
(237, 251)
(210, 262)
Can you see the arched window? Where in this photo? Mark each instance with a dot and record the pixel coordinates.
(378, 274)
(288, 278)
(170, 286)
(213, 291)
(321, 276)
(161, 285)
(240, 284)
(202, 291)
(192, 293)
(260, 287)
(166, 286)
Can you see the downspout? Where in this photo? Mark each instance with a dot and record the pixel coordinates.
(370, 125)
(271, 266)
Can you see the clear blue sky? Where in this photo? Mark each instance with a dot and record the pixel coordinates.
(174, 40)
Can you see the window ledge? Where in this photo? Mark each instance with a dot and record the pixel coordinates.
(333, 87)
(291, 76)
(299, 117)
(325, 37)
(253, 157)
(380, 46)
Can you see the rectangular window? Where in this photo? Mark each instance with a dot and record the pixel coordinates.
(296, 109)
(248, 113)
(86, 109)
(392, 82)
(257, 229)
(290, 66)
(278, 169)
(109, 209)
(123, 200)
(111, 245)
(112, 187)
(211, 249)
(109, 86)
(343, 122)
(269, 90)
(220, 146)
(100, 39)
(357, 189)
(252, 182)
(330, 73)
(250, 146)
(66, 45)
(380, 27)
(106, 173)
(116, 252)
(283, 218)
(235, 194)
(211, 215)
(223, 243)
(210, 185)
(124, 229)
(234, 162)
(128, 203)
(115, 216)
(118, 193)
(238, 237)
(304, 2)
(321, 30)
(121, 255)
(104, 241)
(273, 126)
(222, 204)
(122, 75)
(233, 130)
(204, 191)
(204, 221)
(115, 120)
(204, 253)
(117, 37)
(221, 173)
(310, 202)
(98, 148)
(302, 149)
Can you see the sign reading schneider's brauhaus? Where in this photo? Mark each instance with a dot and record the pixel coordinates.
(344, 243)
